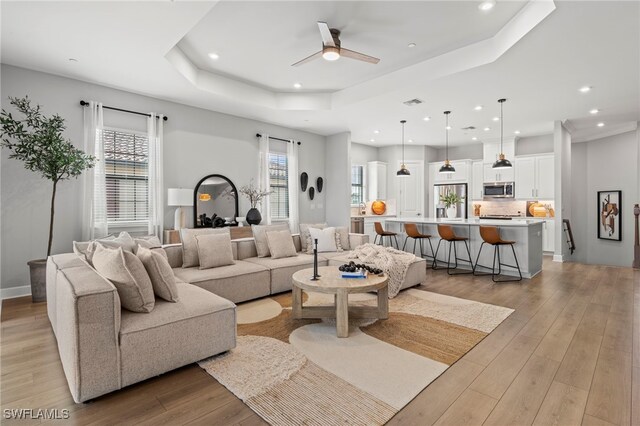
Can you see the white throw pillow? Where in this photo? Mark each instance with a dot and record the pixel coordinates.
(326, 239)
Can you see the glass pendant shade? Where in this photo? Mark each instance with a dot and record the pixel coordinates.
(502, 162)
(447, 167)
(403, 172)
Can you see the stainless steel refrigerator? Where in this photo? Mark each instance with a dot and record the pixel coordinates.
(443, 189)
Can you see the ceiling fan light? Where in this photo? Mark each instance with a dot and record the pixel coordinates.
(331, 53)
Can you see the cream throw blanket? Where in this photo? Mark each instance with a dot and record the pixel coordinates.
(394, 263)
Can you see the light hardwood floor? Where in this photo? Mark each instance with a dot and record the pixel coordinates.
(568, 355)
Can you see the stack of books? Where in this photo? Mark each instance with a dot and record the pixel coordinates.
(360, 273)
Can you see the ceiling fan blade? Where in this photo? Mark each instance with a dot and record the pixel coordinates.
(358, 56)
(325, 32)
(308, 59)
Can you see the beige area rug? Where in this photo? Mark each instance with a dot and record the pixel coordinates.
(293, 372)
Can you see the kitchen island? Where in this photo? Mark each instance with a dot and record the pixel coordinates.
(526, 233)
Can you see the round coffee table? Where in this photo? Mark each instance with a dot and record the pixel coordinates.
(330, 282)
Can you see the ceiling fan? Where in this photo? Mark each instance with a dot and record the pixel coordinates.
(331, 49)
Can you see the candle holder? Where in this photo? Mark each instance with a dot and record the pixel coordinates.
(316, 276)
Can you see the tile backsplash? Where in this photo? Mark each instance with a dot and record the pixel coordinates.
(504, 207)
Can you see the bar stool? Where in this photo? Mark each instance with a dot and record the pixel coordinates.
(491, 235)
(412, 232)
(447, 234)
(382, 233)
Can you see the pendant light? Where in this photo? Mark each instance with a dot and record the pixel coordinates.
(502, 162)
(447, 167)
(403, 172)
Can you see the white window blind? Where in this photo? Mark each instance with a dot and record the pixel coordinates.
(357, 185)
(126, 156)
(278, 179)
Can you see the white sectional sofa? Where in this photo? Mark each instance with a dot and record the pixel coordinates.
(104, 347)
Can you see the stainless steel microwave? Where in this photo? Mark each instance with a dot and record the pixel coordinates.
(498, 190)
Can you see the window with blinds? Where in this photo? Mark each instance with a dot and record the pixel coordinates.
(127, 177)
(279, 180)
(357, 185)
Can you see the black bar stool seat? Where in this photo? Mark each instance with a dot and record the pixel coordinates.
(447, 234)
(491, 235)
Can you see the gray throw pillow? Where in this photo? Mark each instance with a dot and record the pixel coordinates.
(260, 237)
(214, 250)
(162, 279)
(281, 244)
(128, 275)
(87, 248)
(343, 233)
(304, 233)
(189, 246)
(150, 242)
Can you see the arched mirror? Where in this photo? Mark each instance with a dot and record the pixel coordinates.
(215, 202)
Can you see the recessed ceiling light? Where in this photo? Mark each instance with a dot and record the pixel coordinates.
(474, 138)
(73, 60)
(496, 119)
(585, 89)
(486, 129)
(594, 111)
(297, 85)
(600, 124)
(411, 45)
(478, 107)
(486, 5)
(410, 140)
(376, 131)
(372, 140)
(427, 119)
(517, 132)
(214, 56)
(448, 127)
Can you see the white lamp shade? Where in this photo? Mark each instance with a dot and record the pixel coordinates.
(179, 197)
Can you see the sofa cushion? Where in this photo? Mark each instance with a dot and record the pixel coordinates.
(343, 233)
(281, 244)
(150, 242)
(282, 269)
(238, 282)
(331, 254)
(160, 273)
(128, 275)
(260, 237)
(201, 324)
(326, 237)
(304, 233)
(88, 248)
(189, 246)
(214, 250)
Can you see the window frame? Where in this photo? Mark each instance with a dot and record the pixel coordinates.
(285, 186)
(128, 224)
(363, 185)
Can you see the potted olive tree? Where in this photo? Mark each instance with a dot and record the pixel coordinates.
(38, 142)
(450, 201)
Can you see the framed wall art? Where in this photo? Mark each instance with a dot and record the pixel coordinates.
(610, 215)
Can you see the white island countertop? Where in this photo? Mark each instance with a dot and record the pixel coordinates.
(519, 222)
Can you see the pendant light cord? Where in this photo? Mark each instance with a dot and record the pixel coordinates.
(501, 101)
(446, 130)
(402, 122)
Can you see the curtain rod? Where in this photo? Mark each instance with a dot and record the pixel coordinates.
(258, 135)
(83, 103)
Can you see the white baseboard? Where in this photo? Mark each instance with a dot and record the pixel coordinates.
(558, 258)
(11, 292)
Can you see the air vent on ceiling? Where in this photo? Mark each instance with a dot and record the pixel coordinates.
(469, 128)
(413, 102)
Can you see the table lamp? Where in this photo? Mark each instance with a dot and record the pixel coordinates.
(179, 197)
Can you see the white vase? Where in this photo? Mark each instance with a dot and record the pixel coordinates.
(451, 212)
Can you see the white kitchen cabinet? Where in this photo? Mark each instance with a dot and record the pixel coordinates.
(535, 177)
(498, 175)
(460, 175)
(548, 235)
(376, 180)
(477, 180)
(491, 151)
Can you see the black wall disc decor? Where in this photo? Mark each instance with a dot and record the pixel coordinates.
(312, 193)
(304, 179)
(319, 184)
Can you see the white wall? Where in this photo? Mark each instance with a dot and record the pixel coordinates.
(338, 179)
(362, 154)
(197, 142)
(563, 187)
(604, 164)
(464, 152)
(528, 145)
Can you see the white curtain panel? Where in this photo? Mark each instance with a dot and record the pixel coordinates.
(263, 180)
(292, 162)
(94, 197)
(156, 184)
